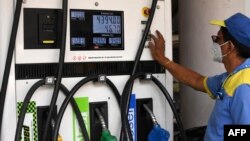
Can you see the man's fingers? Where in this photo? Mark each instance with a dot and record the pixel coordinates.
(153, 37)
(160, 36)
(150, 45)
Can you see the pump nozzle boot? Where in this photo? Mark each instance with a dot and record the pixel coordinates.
(158, 134)
(106, 136)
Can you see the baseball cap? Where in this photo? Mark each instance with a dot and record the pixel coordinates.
(238, 25)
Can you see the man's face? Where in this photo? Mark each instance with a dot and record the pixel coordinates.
(220, 40)
(221, 49)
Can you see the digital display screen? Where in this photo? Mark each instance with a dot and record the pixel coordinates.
(115, 40)
(99, 40)
(78, 41)
(106, 24)
(96, 30)
(77, 15)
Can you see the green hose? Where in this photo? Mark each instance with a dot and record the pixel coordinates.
(106, 136)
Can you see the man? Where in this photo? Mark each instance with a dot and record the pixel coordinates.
(231, 89)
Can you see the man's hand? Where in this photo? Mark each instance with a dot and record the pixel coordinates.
(157, 47)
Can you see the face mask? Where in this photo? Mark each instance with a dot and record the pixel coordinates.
(216, 51)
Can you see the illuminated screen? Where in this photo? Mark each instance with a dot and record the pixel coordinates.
(106, 24)
(99, 40)
(78, 41)
(96, 30)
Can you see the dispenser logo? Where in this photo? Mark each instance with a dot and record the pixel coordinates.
(132, 116)
(26, 133)
(83, 105)
(29, 131)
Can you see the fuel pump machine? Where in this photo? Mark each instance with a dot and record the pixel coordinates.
(101, 41)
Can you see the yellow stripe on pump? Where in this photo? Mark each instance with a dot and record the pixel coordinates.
(48, 41)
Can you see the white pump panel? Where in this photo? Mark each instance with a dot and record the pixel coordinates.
(134, 24)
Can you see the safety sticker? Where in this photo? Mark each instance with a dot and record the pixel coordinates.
(83, 104)
(132, 116)
(29, 131)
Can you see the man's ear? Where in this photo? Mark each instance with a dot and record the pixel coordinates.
(231, 45)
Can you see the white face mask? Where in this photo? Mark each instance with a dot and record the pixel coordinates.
(216, 51)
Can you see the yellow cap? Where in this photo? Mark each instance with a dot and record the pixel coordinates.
(218, 22)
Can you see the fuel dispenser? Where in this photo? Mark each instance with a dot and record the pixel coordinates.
(62, 44)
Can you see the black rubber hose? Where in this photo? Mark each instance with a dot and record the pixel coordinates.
(115, 90)
(27, 100)
(125, 105)
(126, 91)
(60, 68)
(136, 62)
(78, 114)
(9, 59)
(171, 103)
(126, 131)
(72, 92)
(144, 36)
(66, 101)
(24, 108)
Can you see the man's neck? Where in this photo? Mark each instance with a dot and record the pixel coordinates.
(233, 63)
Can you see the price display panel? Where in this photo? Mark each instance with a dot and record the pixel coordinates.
(96, 30)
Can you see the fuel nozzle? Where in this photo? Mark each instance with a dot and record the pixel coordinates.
(151, 114)
(106, 136)
(157, 133)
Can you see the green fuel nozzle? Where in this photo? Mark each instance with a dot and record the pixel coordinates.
(106, 136)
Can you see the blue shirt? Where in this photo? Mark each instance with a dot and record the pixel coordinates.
(232, 106)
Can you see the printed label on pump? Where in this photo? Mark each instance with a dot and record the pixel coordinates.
(83, 104)
(132, 116)
(29, 129)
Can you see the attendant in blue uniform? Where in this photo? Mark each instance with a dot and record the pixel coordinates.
(231, 89)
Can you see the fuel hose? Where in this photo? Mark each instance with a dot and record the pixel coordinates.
(70, 96)
(125, 100)
(128, 88)
(9, 59)
(105, 135)
(27, 100)
(60, 68)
